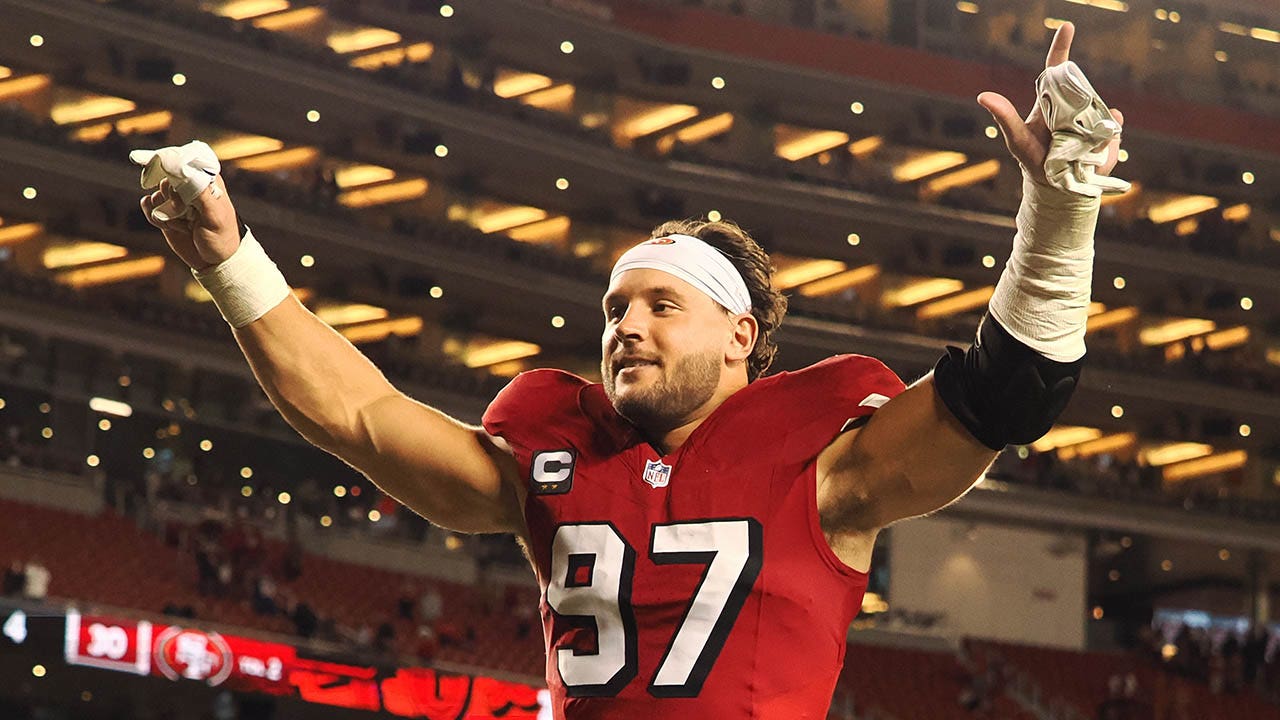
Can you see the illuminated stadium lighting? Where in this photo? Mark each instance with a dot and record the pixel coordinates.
(313, 116)
(956, 304)
(507, 217)
(436, 292)
(1118, 282)
(963, 177)
(246, 472)
(206, 445)
(38, 670)
(1234, 29)
(36, 40)
(178, 79)
(1247, 178)
(965, 6)
(562, 183)
(382, 329)
(279, 160)
(798, 143)
(110, 407)
(22, 86)
(914, 292)
(124, 381)
(1211, 465)
(325, 521)
(235, 146)
(46, 433)
(29, 192)
(705, 129)
(513, 83)
(86, 106)
(115, 272)
(1174, 330)
(557, 321)
(988, 261)
(1107, 444)
(1166, 565)
(865, 146)
(357, 174)
(714, 216)
(1117, 411)
(927, 162)
(446, 11)
(1266, 34)
(1237, 213)
(552, 230)
(1112, 5)
(1168, 651)
(484, 354)
(249, 9)
(1097, 612)
(991, 131)
(415, 53)
(566, 47)
(284, 498)
(442, 151)
(1229, 338)
(652, 118)
(1113, 576)
(12, 234)
(1244, 430)
(1175, 16)
(1054, 23)
(1161, 14)
(840, 281)
(853, 239)
(246, 491)
(104, 424)
(350, 313)
(556, 99)
(374, 516)
(384, 194)
(2, 403)
(359, 39)
(1180, 207)
(1224, 554)
(92, 461)
(803, 272)
(339, 491)
(1174, 452)
(717, 82)
(307, 261)
(45, 408)
(71, 254)
(857, 108)
(1122, 156)
(1111, 318)
(148, 453)
(1064, 435)
(1221, 56)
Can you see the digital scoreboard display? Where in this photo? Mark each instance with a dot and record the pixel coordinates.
(187, 654)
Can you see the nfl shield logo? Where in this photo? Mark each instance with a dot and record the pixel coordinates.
(657, 473)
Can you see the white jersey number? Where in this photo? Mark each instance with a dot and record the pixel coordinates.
(592, 567)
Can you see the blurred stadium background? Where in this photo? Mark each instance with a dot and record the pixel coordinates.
(448, 184)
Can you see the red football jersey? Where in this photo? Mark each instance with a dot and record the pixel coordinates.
(696, 584)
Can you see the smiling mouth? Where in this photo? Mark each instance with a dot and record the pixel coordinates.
(633, 364)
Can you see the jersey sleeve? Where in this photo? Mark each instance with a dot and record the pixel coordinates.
(828, 398)
(532, 403)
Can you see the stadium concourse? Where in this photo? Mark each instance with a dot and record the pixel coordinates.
(447, 185)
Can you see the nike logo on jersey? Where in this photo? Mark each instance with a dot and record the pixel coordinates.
(551, 472)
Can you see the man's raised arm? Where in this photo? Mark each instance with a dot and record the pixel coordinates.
(452, 474)
(927, 447)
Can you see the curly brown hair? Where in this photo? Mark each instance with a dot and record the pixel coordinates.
(768, 305)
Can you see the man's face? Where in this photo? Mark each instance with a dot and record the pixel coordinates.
(663, 348)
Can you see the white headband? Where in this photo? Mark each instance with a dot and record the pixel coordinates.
(693, 261)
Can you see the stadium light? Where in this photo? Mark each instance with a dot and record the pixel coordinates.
(110, 407)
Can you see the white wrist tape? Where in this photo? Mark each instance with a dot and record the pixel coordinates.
(246, 285)
(1042, 298)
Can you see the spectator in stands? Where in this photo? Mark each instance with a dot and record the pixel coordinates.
(15, 579)
(38, 577)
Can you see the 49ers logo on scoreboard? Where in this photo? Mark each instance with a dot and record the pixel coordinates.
(193, 655)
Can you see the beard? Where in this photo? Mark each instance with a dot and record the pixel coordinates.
(667, 402)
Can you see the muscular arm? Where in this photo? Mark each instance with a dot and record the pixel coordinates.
(452, 474)
(913, 457)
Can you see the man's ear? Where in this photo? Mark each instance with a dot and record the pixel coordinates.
(745, 333)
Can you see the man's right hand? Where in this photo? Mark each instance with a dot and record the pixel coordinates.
(203, 237)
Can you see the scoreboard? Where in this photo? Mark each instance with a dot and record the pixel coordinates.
(183, 653)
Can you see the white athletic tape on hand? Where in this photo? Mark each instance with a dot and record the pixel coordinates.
(1081, 128)
(1042, 298)
(246, 285)
(189, 168)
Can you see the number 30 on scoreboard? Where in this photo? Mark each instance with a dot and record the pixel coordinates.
(105, 643)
